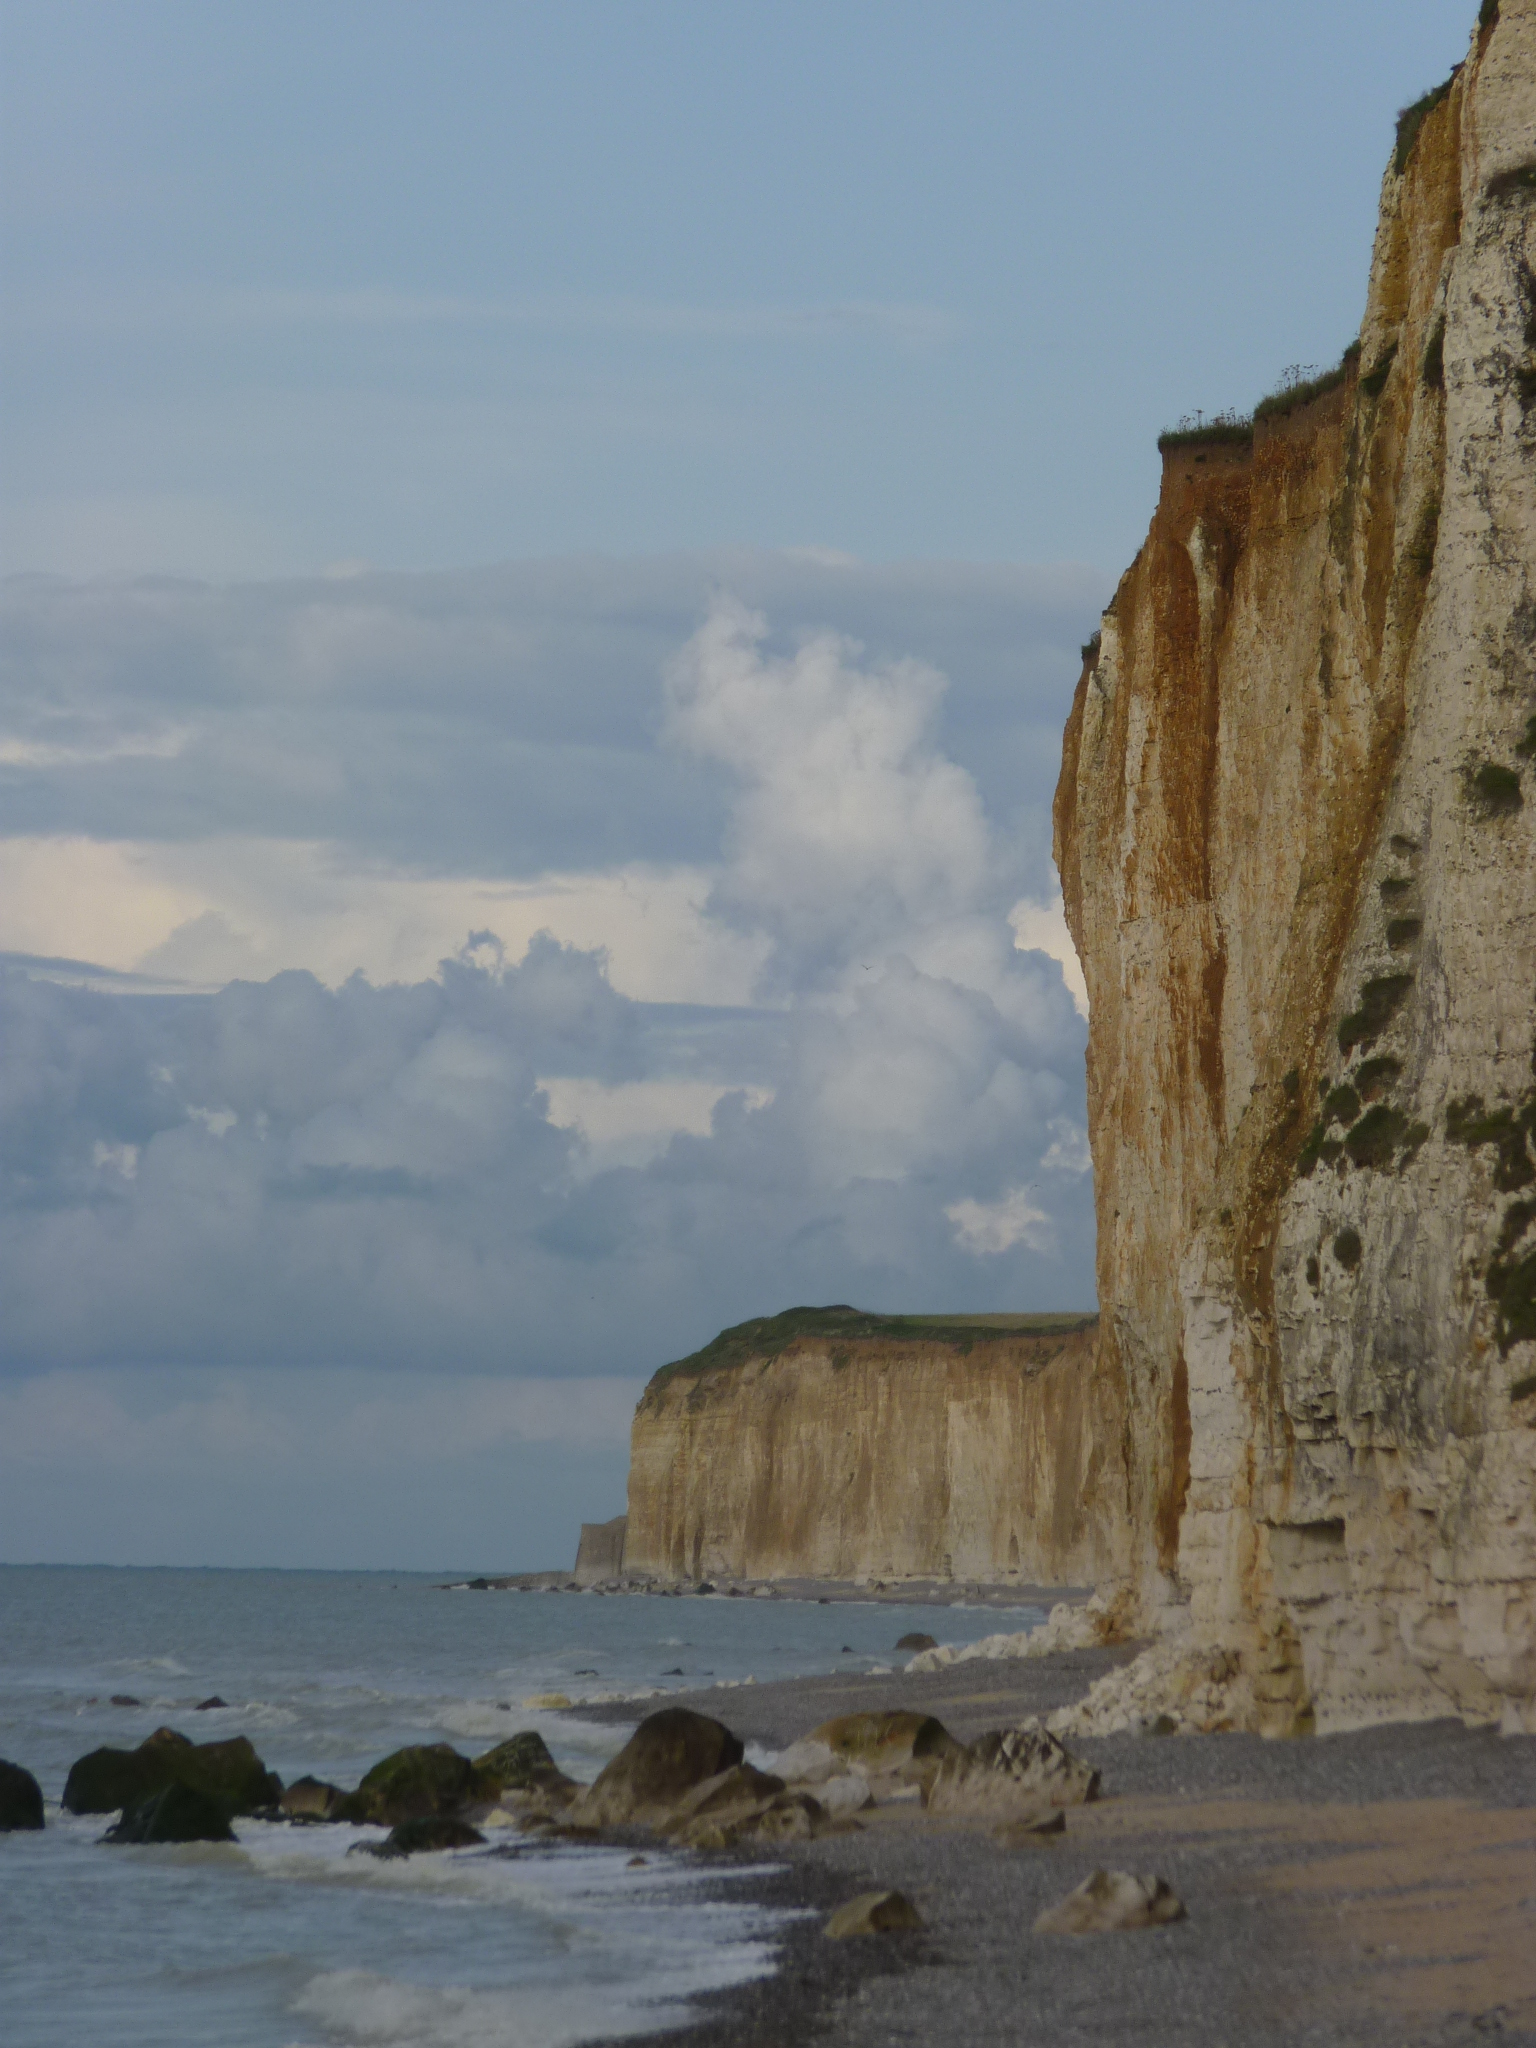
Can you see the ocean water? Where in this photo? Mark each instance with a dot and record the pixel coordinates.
(284, 1941)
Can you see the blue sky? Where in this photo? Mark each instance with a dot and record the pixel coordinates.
(547, 550)
(294, 284)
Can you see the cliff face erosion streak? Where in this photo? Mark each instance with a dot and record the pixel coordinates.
(827, 1444)
(1296, 828)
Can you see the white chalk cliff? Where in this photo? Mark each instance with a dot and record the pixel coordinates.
(1296, 828)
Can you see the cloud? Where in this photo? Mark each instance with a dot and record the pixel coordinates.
(641, 1098)
(990, 1227)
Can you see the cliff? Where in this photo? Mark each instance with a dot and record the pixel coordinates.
(1296, 829)
(828, 1444)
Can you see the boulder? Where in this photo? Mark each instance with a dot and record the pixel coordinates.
(781, 1817)
(874, 1913)
(207, 1706)
(230, 1772)
(21, 1799)
(177, 1812)
(896, 1749)
(741, 1785)
(522, 1764)
(916, 1640)
(1008, 1771)
(419, 1837)
(311, 1799)
(1111, 1900)
(416, 1783)
(668, 1754)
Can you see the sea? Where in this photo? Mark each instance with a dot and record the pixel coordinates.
(282, 1939)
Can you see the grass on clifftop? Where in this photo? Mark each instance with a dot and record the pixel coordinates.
(768, 1336)
(1299, 386)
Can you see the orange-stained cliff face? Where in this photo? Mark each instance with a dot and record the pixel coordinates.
(1295, 834)
(846, 1456)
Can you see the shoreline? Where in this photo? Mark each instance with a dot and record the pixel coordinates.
(1363, 1887)
(939, 1593)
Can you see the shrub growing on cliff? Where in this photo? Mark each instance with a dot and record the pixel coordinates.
(1376, 1137)
(1380, 1001)
(1509, 1128)
(1495, 788)
(1402, 931)
(1347, 1248)
(1377, 1075)
(1510, 1283)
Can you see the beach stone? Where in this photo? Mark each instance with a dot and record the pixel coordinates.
(548, 1702)
(1031, 1830)
(418, 1782)
(874, 1913)
(1111, 1901)
(230, 1772)
(125, 1699)
(1009, 1768)
(21, 1799)
(311, 1799)
(175, 1813)
(206, 1706)
(916, 1640)
(668, 1754)
(421, 1837)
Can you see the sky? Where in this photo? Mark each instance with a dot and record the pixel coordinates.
(546, 548)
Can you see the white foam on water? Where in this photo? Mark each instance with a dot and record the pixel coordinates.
(357, 2006)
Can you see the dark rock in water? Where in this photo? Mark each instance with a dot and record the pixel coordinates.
(125, 1699)
(310, 1799)
(917, 1641)
(176, 1813)
(705, 1586)
(417, 1783)
(675, 1672)
(667, 1755)
(415, 1837)
(478, 1585)
(230, 1772)
(205, 1706)
(521, 1764)
(21, 1799)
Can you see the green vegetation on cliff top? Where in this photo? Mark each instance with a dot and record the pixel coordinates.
(768, 1336)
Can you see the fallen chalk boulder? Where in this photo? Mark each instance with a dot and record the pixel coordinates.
(1110, 1901)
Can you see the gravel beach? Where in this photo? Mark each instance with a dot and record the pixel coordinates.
(1377, 1887)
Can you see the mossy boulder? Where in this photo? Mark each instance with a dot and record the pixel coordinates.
(176, 1813)
(417, 1783)
(21, 1799)
(523, 1764)
(230, 1772)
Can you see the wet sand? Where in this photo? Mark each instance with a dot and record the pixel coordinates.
(1377, 1887)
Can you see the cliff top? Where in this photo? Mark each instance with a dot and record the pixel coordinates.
(768, 1336)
